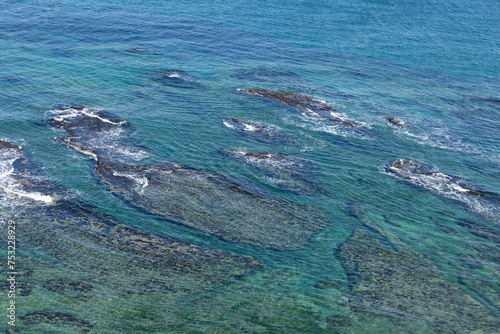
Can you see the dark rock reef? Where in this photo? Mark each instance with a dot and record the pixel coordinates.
(478, 263)
(306, 105)
(390, 281)
(258, 131)
(287, 172)
(229, 207)
(84, 241)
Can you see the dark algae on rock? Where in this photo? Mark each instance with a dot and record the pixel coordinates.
(58, 318)
(229, 207)
(390, 281)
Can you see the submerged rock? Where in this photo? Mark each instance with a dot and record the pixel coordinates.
(263, 74)
(57, 318)
(258, 131)
(285, 171)
(82, 240)
(175, 78)
(309, 106)
(229, 207)
(395, 283)
(96, 132)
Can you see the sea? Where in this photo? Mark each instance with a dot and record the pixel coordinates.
(410, 241)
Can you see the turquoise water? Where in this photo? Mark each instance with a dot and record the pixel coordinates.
(434, 66)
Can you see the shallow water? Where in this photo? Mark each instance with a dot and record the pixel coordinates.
(432, 66)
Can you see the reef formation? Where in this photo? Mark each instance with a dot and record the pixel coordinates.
(82, 249)
(422, 174)
(258, 131)
(229, 207)
(175, 78)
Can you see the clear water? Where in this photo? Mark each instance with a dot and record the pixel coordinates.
(434, 65)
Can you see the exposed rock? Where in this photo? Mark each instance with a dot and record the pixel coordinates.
(422, 175)
(397, 122)
(306, 105)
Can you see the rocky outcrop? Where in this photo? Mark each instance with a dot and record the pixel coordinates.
(307, 105)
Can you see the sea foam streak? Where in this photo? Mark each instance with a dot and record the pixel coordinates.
(10, 183)
(450, 186)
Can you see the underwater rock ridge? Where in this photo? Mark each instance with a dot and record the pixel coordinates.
(228, 207)
(79, 236)
(423, 175)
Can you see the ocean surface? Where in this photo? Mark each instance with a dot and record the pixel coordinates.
(410, 195)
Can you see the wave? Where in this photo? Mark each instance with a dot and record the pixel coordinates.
(14, 184)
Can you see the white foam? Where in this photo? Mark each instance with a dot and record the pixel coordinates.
(36, 196)
(449, 187)
(71, 112)
(249, 127)
(228, 124)
(141, 181)
(10, 185)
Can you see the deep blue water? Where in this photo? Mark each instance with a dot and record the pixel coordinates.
(433, 65)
